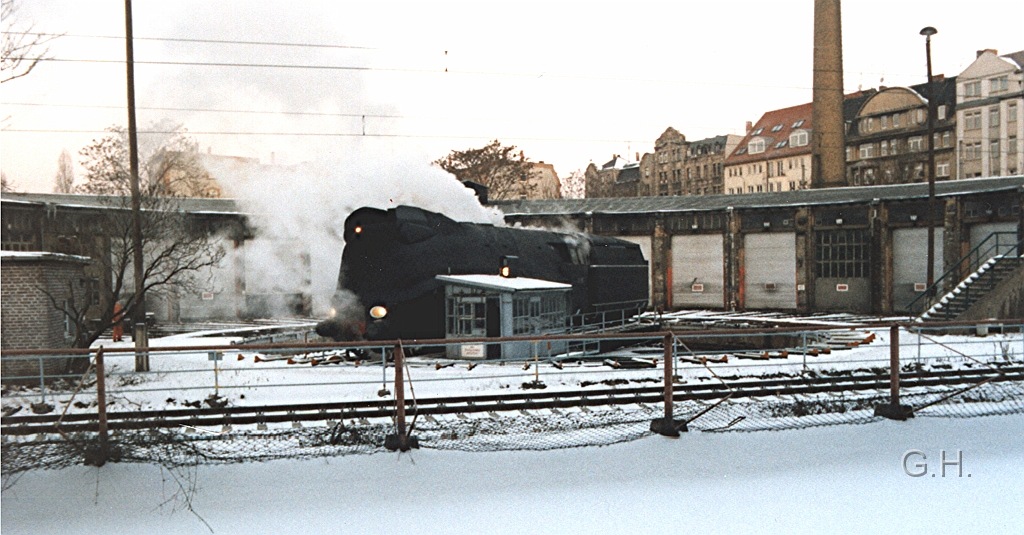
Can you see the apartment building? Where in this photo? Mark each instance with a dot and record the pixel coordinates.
(989, 129)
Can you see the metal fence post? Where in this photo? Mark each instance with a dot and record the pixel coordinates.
(99, 456)
(399, 440)
(42, 381)
(667, 426)
(893, 410)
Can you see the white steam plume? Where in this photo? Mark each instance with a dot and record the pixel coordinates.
(301, 209)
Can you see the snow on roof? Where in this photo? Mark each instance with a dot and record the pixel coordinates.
(26, 256)
(495, 282)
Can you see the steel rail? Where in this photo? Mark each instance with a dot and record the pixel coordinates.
(311, 412)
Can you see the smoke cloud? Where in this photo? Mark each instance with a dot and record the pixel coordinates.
(299, 213)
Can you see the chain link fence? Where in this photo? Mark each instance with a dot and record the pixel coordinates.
(537, 430)
(549, 429)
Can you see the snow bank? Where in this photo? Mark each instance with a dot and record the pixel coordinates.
(840, 479)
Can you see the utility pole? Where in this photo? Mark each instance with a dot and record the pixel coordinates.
(928, 32)
(139, 334)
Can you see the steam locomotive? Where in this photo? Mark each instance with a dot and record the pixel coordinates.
(392, 257)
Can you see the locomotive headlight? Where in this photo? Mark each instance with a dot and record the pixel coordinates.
(333, 312)
(378, 312)
(505, 271)
(358, 230)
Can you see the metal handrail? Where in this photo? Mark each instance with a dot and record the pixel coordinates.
(976, 257)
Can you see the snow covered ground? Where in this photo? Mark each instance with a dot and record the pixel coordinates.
(847, 479)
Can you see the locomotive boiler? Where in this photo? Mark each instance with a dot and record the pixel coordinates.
(392, 258)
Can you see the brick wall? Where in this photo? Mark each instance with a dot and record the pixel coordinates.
(29, 319)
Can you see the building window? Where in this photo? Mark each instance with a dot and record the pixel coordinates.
(798, 124)
(972, 151)
(885, 122)
(942, 169)
(884, 151)
(972, 120)
(843, 254)
(792, 185)
(750, 189)
(947, 139)
(972, 89)
(1011, 112)
(996, 85)
(757, 132)
(781, 144)
(1011, 146)
(781, 169)
(895, 120)
(893, 146)
(993, 116)
(914, 144)
(941, 112)
(849, 154)
(776, 128)
(756, 146)
(993, 154)
(870, 124)
(920, 115)
(919, 171)
(798, 139)
(867, 151)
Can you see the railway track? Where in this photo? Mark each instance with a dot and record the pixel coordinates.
(16, 425)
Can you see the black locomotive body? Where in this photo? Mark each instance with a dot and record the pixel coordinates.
(392, 257)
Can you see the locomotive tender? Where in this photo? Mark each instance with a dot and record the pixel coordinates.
(392, 258)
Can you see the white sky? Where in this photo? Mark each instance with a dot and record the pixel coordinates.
(567, 82)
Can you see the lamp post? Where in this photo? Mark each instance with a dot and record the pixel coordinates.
(928, 32)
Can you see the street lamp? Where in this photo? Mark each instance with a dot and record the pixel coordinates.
(928, 32)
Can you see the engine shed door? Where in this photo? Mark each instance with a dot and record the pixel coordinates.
(698, 271)
(769, 271)
(910, 264)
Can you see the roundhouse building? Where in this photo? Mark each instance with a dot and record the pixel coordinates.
(852, 249)
(856, 249)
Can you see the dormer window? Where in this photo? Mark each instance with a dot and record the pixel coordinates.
(756, 146)
(798, 138)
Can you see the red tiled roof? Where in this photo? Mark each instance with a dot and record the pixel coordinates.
(786, 117)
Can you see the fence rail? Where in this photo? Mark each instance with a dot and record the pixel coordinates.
(664, 382)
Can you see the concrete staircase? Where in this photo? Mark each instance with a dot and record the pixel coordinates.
(995, 281)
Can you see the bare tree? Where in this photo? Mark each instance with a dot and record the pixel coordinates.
(503, 169)
(23, 48)
(6, 185)
(178, 249)
(178, 252)
(170, 165)
(574, 186)
(64, 182)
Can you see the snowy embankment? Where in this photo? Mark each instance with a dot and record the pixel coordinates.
(847, 479)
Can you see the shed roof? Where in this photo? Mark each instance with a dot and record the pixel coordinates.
(799, 198)
(37, 256)
(495, 282)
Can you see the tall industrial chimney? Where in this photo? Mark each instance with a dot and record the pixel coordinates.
(828, 140)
